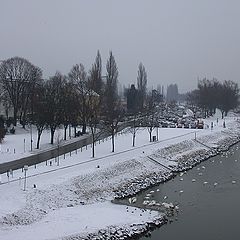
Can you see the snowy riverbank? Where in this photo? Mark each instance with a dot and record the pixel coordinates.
(182, 156)
(73, 202)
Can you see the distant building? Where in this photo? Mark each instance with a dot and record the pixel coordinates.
(172, 93)
(132, 99)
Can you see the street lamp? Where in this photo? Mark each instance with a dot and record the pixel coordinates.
(31, 147)
(58, 139)
(25, 168)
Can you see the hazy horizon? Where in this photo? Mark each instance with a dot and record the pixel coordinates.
(177, 41)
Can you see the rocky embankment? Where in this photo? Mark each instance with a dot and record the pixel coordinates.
(134, 186)
(202, 149)
(185, 155)
(133, 231)
(124, 179)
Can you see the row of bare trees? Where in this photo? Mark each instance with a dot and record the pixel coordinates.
(212, 94)
(79, 98)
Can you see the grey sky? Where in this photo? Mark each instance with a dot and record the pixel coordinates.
(177, 40)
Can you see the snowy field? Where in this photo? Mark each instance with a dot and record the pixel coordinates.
(74, 197)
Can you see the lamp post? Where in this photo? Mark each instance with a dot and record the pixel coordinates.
(58, 139)
(24, 145)
(25, 168)
(31, 147)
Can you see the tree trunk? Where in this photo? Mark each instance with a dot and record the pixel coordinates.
(15, 116)
(23, 118)
(20, 117)
(6, 112)
(222, 114)
(65, 132)
(23, 124)
(84, 127)
(52, 135)
(38, 138)
(134, 135)
(113, 141)
(75, 131)
(93, 143)
(150, 136)
(69, 131)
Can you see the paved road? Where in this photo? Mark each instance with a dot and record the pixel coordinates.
(45, 155)
(52, 153)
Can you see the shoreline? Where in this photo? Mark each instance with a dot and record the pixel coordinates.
(195, 158)
(125, 179)
(123, 193)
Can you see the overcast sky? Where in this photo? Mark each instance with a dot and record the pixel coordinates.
(177, 40)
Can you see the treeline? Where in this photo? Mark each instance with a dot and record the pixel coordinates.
(90, 99)
(81, 97)
(212, 94)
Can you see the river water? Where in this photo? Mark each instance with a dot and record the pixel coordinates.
(208, 197)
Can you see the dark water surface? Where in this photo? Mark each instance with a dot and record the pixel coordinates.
(208, 211)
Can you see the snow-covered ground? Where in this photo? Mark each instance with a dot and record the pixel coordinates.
(18, 145)
(74, 198)
(80, 219)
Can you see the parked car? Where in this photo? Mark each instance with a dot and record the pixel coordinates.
(164, 124)
(200, 124)
(172, 125)
(193, 125)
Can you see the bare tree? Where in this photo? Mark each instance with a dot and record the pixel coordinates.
(53, 102)
(212, 94)
(95, 94)
(18, 77)
(136, 122)
(94, 119)
(39, 117)
(79, 79)
(95, 79)
(113, 112)
(69, 105)
(229, 97)
(208, 95)
(150, 116)
(142, 84)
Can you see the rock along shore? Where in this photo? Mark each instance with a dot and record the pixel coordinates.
(186, 161)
